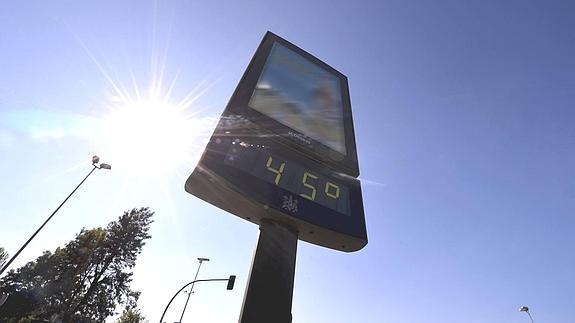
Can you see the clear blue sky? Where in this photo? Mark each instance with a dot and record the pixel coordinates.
(463, 111)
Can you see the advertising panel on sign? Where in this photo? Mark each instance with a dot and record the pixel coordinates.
(300, 100)
(302, 96)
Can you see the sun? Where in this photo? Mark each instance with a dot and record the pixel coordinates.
(146, 132)
(150, 137)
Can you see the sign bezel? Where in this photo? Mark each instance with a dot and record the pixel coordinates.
(239, 104)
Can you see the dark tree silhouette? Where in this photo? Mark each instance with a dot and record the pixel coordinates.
(85, 280)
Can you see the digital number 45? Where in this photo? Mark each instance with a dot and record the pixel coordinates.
(331, 190)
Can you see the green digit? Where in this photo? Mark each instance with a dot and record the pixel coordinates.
(329, 185)
(304, 181)
(278, 172)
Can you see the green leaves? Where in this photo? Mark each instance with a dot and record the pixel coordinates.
(131, 315)
(86, 279)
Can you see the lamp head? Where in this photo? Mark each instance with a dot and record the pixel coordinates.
(203, 259)
(105, 166)
(524, 309)
(95, 159)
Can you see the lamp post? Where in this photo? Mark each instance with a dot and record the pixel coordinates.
(526, 310)
(192, 288)
(97, 165)
(231, 280)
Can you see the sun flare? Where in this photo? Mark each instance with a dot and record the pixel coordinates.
(146, 132)
(149, 138)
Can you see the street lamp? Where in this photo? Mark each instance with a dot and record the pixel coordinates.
(231, 280)
(192, 288)
(526, 310)
(97, 165)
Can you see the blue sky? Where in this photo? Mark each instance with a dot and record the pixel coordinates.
(463, 115)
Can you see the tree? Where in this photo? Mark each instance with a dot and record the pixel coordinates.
(131, 315)
(85, 280)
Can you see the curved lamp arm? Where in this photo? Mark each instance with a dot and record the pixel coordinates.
(231, 280)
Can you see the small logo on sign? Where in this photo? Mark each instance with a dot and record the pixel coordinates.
(289, 204)
(300, 137)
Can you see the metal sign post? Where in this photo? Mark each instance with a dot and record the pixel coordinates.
(269, 292)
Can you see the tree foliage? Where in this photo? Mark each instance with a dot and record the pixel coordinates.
(131, 315)
(85, 280)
